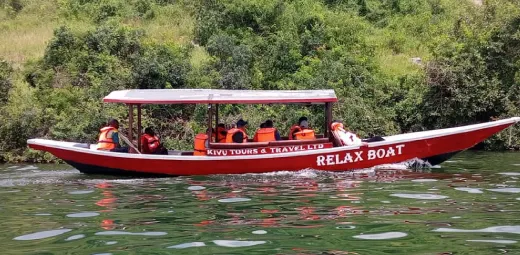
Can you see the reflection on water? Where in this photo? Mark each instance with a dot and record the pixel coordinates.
(470, 190)
(42, 234)
(498, 229)
(469, 205)
(494, 241)
(75, 237)
(382, 236)
(187, 245)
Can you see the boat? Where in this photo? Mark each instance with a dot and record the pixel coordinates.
(323, 153)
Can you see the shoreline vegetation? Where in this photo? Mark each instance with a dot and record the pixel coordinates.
(396, 65)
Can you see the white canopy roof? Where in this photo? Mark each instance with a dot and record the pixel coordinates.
(218, 96)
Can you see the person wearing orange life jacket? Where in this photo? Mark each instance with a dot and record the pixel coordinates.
(348, 138)
(302, 131)
(345, 137)
(150, 143)
(238, 134)
(109, 138)
(296, 128)
(267, 133)
(221, 133)
(255, 138)
(201, 143)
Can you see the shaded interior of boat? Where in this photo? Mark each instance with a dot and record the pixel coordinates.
(134, 99)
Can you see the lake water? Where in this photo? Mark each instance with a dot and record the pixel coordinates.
(470, 205)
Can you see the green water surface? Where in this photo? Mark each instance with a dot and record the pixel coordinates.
(470, 205)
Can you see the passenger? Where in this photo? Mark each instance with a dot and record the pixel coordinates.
(302, 130)
(109, 138)
(267, 133)
(238, 134)
(255, 138)
(348, 138)
(221, 133)
(201, 143)
(150, 143)
(296, 128)
(345, 137)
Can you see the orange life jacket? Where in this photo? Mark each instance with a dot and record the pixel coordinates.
(294, 128)
(152, 142)
(265, 135)
(220, 136)
(104, 142)
(305, 134)
(231, 132)
(336, 126)
(200, 144)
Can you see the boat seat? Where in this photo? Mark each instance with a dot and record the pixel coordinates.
(180, 153)
(285, 138)
(298, 142)
(237, 145)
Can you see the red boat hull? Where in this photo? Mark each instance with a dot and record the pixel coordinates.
(394, 149)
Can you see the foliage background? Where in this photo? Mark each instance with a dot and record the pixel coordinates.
(396, 65)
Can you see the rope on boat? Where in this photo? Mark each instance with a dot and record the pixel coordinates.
(127, 141)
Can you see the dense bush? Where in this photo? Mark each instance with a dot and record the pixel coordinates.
(478, 79)
(465, 70)
(5, 80)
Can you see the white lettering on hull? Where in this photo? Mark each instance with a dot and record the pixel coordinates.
(347, 157)
(266, 150)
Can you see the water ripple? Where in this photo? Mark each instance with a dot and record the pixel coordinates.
(195, 188)
(419, 196)
(75, 237)
(110, 233)
(506, 190)
(234, 200)
(497, 229)
(42, 234)
(233, 243)
(80, 192)
(424, 180)
(27, 168)
(494, 241)
(83, 215)
(470, 190)
(510, 173)
(381, 236)
(187, 245)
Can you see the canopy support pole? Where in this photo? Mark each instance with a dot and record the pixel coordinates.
(139, 127)
(328, 119)
(210, 116)
(130, 122)
(216, 123)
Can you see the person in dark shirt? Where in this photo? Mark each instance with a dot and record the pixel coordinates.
(238, 134)
(269, 124)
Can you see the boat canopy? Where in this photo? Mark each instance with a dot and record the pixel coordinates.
(219, 96)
